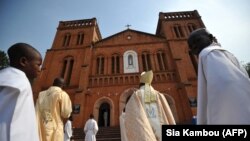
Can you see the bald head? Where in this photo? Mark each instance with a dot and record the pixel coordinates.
(199, 39)
(58, 82)
(19, 50)
(25, 58)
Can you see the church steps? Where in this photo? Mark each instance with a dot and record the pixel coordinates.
(104, 134)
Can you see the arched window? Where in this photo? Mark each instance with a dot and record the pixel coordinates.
(130, 62)
(191, 27)
(100, 65)
(178, 31)
(67, 68)
(66, 39)
(146, 63)
(80, 38)
(193, 59)
(161, 58)
(115, 63)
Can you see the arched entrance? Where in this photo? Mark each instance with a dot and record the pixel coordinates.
(104, 115)
(172, 106)
(126, 94)
(102, 104)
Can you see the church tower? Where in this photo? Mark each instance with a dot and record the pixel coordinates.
(175, 27)
(101, 74)
(69, 58)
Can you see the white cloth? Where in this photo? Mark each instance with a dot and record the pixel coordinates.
(17, 112)
(122, 127)
(90, 129)
(68, 131)
(223, 88)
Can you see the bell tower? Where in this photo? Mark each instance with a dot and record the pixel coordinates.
(69, 58)
(175, 27)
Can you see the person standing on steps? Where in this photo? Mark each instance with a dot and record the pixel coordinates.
(90, 129)
(68, 131)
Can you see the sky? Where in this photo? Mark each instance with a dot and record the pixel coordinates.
(35, 21)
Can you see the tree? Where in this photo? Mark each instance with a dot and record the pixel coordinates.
(4, 61)
(247, 67)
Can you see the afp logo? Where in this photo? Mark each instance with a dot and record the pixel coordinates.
(234, 133)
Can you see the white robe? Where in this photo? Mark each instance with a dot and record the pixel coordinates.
(90, 130)
(68, 131)
(223, 89)
(17, 112)
(122, 127)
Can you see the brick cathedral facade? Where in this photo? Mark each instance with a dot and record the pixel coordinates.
(101, 74)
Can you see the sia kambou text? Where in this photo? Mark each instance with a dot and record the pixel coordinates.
(204, 132)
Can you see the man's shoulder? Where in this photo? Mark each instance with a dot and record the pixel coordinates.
(52, 90)
(55, 89)
(42, 93)
(206, 51)
(58, 92)
(137, 92)
(12, 77)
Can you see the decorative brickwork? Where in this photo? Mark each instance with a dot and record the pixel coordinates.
(102, 74)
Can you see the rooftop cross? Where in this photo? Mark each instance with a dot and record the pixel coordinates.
(128, 25)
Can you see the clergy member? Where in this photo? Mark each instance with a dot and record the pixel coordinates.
(146, 111)
(90, 129)
(122, 127)
(68, 132)
(17, 112)
(223, 84)
(52, 106)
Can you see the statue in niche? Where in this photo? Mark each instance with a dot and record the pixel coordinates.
(130, 61)
(105, 117)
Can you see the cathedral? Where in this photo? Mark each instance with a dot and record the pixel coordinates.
(102, 73)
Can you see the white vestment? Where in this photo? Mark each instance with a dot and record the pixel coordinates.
(223, 88)
(17, 112)
(90, 130)
(142, 120)
(68, 131)
(122, 127)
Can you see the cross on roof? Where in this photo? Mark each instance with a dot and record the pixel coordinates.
(128, 25)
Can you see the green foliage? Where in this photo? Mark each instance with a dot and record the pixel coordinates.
(247, 67)
(4, 61)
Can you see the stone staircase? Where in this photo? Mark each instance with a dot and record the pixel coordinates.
(104, 134)
(78, 134)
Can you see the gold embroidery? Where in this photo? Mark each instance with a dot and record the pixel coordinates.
(149, 96)
(47, 116)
